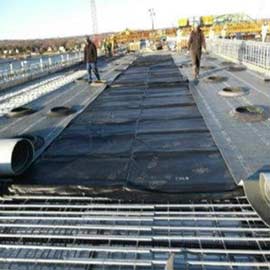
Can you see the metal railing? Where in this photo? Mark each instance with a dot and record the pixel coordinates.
(256, 54)
(23, 69)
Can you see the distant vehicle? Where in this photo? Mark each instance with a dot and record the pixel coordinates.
(158, 45)
(142, 44)
(171, 44)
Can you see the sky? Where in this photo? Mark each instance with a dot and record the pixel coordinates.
(29, 19)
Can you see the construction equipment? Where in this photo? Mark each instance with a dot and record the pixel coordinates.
(184, 22)
(207, 20)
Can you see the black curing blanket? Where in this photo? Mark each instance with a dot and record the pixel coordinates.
(144, 132)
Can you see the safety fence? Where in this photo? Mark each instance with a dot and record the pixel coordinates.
(16, 70)
(256, 54)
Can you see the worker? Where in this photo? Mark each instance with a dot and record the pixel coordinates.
(265, 29)
(195, 44)
(90, 58)
(109, 48)
(104, 46)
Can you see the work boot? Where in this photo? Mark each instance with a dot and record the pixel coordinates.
(195, 76)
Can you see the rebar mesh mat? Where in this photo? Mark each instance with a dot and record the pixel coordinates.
(85, 233)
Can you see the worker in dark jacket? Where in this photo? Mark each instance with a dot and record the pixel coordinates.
(195, 44)
(90, 58)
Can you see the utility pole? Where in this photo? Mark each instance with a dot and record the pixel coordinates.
(152, 16)
(94, 17)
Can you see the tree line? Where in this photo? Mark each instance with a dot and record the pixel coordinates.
(41, 46)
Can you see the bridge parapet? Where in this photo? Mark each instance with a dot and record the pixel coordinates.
(24, 71)
(254, 54)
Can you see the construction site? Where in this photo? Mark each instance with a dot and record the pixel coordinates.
(147, 167)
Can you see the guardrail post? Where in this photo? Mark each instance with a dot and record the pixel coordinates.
(11, 68)
(41, 64)
(25, 66)
(268, 61)
(50, 62)
(22, 68)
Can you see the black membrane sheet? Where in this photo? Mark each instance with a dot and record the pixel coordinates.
(144, 132)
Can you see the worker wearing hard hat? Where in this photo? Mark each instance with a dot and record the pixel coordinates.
(195, 44)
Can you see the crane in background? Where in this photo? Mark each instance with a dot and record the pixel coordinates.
(94, 18)
(152, 14)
